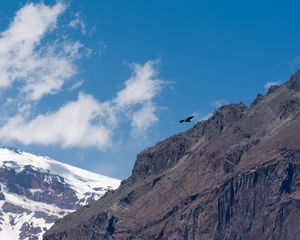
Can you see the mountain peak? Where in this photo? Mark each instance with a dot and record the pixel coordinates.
(232, 176)
(229, 113)
(36, 190)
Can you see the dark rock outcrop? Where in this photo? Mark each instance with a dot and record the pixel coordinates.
(12, 208)
(234, 176)
(29, 232)
(48, 218)
(29, 178)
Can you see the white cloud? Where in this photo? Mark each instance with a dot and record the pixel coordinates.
(269, 84)
(81, 123)
(41, 68)
(205, 116)
(77, 23)
(143, 119)
(86, 122)
(200, 116)
(141, 87)
(218, 103)
(76, 85)
(139, 91)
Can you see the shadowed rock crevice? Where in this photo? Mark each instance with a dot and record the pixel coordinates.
(287, 182)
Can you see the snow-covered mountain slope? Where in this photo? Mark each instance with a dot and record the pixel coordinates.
(36, 190)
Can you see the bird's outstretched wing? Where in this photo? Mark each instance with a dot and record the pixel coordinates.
(189, 119)
(181, 121)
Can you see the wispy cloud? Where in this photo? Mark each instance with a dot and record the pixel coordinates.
(41, 68)
(76, 85)
(218, 103)
(78, 23)
(204, 116)
(201, 117)
(269, 84)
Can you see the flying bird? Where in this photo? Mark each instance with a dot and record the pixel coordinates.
(187, 119)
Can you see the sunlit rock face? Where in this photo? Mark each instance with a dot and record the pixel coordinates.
(35, 191)
(234, 176)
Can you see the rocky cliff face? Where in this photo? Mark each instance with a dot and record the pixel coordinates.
(35, 191)
(234, 176)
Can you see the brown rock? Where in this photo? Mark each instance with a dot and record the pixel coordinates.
(234, 176)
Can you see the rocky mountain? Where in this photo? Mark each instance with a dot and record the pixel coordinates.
(36, 190)
(234, 176)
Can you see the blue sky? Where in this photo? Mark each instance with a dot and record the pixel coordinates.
(92, 83)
